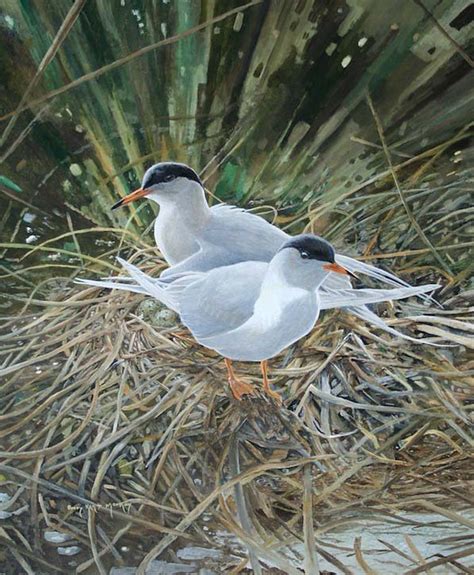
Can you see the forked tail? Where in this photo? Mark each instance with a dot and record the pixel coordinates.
(356, 300)
(144, 284)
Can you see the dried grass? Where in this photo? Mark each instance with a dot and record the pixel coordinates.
(113, 429)
(116, 429)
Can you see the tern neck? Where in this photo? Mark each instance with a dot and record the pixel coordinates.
(183, 214)
(277, 294)
(186, 202)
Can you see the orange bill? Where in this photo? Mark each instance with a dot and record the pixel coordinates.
(140, 193)
(334, 267)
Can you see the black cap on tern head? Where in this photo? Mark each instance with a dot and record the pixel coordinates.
(159, 174)
(312, 247)
(167, 172)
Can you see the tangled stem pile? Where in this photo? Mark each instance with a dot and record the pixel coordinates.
(115, 428)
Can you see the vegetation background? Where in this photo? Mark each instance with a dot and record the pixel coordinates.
(348, 118)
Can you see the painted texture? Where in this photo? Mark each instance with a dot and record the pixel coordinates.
(276, 91)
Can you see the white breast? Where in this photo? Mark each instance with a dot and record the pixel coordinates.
(272, 328)
(269, 307)
(174, 237)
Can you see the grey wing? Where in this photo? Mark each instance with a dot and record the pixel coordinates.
(242, 236)
(223, 300)
(232, 236)
(207, 258)
(361, 297)
(167, 292)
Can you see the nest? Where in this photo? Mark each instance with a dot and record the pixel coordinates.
(119, 432)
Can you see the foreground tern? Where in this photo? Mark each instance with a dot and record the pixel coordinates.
(251, 311)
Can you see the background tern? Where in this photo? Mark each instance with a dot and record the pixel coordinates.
(251, 311)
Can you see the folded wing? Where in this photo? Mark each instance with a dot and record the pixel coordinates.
(222, 300)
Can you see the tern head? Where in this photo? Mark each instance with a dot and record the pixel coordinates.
(160, 179)
(307, 260)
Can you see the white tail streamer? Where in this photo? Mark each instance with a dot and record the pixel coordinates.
(357, 266)
(359, 297)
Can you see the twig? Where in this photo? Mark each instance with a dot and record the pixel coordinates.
(16, 198)
(443, 31)
(411, 217)
(61, 35)
(311, 565)
(443, 561)
(241, 503)
(129, 58)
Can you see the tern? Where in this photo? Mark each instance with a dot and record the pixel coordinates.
(191, 235)
(253, 310)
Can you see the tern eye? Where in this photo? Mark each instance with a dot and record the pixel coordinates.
(304, 254)
(168, 178)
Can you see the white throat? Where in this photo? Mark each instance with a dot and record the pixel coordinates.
(275, 294)
(183, 214)
(284, 286)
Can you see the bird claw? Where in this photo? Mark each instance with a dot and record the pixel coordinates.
(240, 388)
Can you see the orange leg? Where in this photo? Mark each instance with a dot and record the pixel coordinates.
(266, 383)
(238, 387)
